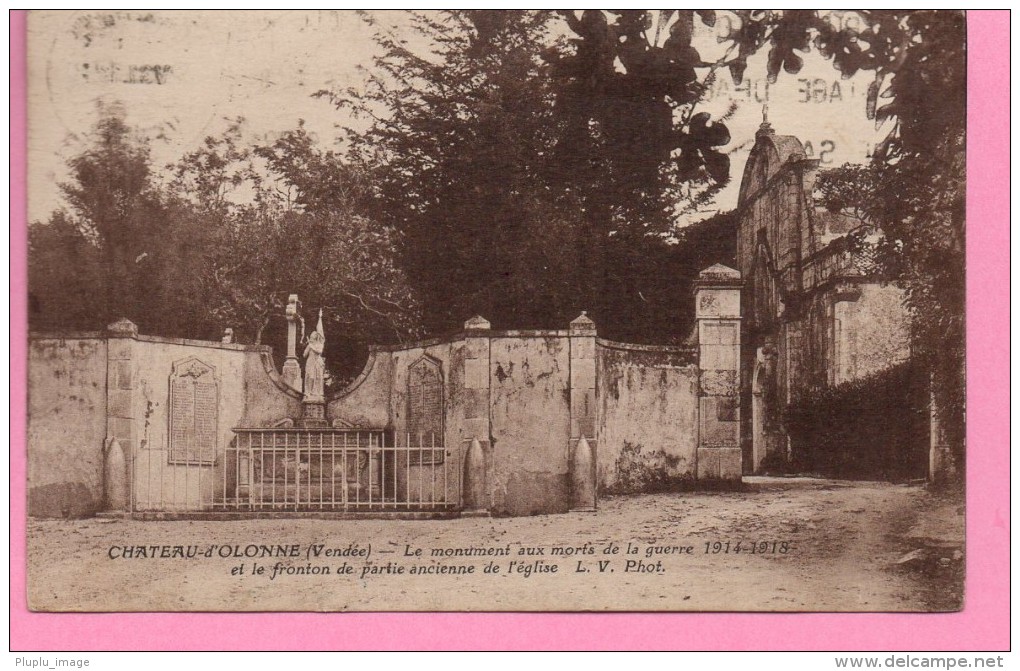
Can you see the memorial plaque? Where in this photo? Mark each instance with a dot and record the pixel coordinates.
(193, 413)
(182, 405)
(425, 410)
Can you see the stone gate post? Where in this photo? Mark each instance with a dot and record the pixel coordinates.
(121, 413)
(475, 437)
(717, 310)
(581, 457)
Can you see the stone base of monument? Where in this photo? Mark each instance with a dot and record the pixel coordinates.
(331, 490)
(313, 415)
(291, 373)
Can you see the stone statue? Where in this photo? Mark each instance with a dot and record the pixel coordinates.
(315, 364)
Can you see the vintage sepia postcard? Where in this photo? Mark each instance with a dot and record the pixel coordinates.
(490, 310)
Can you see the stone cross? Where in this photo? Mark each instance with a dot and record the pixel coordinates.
(291, 366)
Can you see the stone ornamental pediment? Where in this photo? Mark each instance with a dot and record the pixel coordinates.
(719, 272)
(477, 323)
(194, 368)
(123, 327)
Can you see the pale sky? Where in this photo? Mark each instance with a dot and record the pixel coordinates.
(183, 75)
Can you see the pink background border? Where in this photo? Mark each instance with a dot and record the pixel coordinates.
(983, 624)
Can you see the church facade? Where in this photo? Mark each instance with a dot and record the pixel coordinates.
(813, 315)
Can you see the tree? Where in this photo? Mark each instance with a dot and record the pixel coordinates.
(107, 238)
(628, 97)
(503, 131)
(648, 291)
(461, 157)
(125, 247)
(341, 262)
(299, 230)
(922, 193)
(63, 273)
(222, 243)
(914, 189)
(114, 206)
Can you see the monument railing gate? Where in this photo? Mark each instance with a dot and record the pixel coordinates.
(307, 469)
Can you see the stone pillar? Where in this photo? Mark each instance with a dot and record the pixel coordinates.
(583, 491)
(291, 366)
(475, 488)
(475, 426)
(117, 494)
(376, 474)
(313, 415)
(582, 444)
(717, 309)
(121, 382)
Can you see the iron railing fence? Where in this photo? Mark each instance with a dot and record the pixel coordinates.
(160, 483)
(330, 469)
(291, 469)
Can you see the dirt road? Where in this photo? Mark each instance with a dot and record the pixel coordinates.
(784, 544)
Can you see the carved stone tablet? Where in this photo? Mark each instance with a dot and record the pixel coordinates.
(193, 412)
(425, 409)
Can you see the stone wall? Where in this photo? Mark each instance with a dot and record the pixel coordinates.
(366, 401)
(66, 425)
(558, 415)
(648, 417)
(100, 411)
(267, 399)
(846, 332)
(161, 481)
(877, 324)
(530, 415)
(395, 367)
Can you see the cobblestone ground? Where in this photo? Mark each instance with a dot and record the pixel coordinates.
(784, 544)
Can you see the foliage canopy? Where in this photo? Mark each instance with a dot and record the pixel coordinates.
(525, 166)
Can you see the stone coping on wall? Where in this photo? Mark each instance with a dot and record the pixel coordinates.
(473, 333)
(103, 335)
(529, 334)
(237, 347)
(487, 333)
(634, 347)
(416, 344)
(68, 335)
